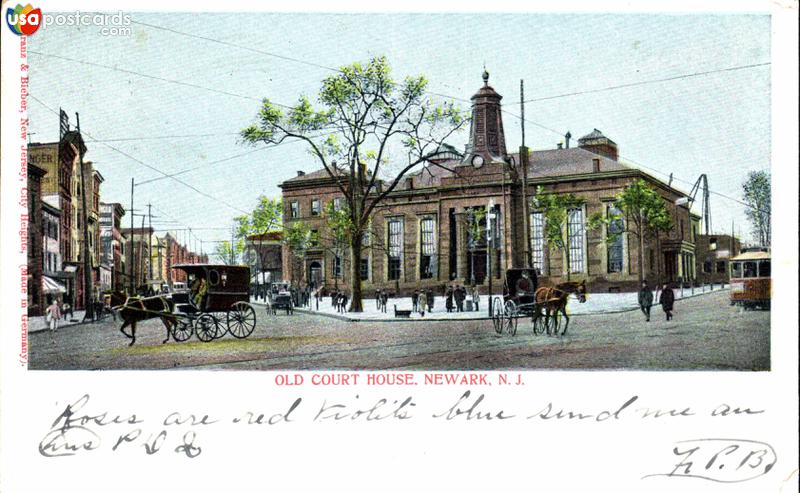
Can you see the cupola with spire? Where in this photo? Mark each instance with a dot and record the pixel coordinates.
(487, 142)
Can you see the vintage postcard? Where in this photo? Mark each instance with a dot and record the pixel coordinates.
(431, 248)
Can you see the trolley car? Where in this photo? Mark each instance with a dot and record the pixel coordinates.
(751, 283)
(218, 302)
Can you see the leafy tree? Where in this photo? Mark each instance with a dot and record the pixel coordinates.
(227, 254)
(339, 231)
(556, 213)
(643, 213)
(299, 238)
(758, 196)
(267, 217)
(370, 118)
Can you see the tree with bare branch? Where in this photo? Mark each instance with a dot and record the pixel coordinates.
(378, 130)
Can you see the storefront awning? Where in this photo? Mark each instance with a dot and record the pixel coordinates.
(53, 286)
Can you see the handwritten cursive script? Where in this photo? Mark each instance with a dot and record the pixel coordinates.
(723, 460)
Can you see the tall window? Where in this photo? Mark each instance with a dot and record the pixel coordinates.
(316, 207)
(364, 269)
(614, 244)
(337, 203)
(295, 210)
(395, 248)
(537, 240)
(337, 266)
(575, 232)
(427, 263)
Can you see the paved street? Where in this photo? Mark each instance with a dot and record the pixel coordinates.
(706, 333)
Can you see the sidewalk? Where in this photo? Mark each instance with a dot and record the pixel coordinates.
(39, 324)
(596, 303)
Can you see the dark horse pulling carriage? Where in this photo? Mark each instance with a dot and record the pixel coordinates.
(522, 297)
(218, 302)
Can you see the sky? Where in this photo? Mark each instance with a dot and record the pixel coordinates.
(715, 123)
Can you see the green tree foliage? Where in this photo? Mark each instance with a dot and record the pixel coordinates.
(298, 237)
(643, 213)
(227, 254)
(368, 131)
(757, 191)
(267, 217)
(556, 210)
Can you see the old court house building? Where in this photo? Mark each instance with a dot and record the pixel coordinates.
(423, 234)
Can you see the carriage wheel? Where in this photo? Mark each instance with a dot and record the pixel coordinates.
(510, 317)
(538, 321)
(206, 327)
(182, 330)
(241, 319)
(497, 315)
(221, 329)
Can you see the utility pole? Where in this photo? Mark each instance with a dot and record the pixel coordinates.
(231, 246)
(150, 240)
(87, 259)
(132, 269)
(523, 158)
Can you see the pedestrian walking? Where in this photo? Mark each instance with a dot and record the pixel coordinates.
(460, 295)
(645, 300)
(415, 300)
(667, 300)
(448, 302)
(53, 315)
(430, 299)
(476, 298)
(384, 300)
(423, 302)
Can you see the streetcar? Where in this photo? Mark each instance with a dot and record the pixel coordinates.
(751, 279)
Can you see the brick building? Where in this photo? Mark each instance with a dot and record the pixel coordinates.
(51, 228)
(61, 185)
(112, 244)
(137, 248)
(36, 286)
(177, 253)
(713, 257)
(264, 253)
(421, 235)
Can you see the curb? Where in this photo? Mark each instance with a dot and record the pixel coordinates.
(62, 326)
(432, 319)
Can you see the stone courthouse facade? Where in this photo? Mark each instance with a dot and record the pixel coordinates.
(424, 234)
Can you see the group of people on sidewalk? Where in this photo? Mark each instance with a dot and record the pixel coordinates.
(666, 299)
(456, 295)
(422, 300)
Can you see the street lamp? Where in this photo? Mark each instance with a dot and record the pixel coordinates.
(490, 216)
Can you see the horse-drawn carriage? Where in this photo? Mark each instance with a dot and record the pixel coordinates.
(522, 297)
(279, 297)
(218, 302)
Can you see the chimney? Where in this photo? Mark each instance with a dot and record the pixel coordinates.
(560, 145)
(301, 173)
(595, 165)
(567, 136)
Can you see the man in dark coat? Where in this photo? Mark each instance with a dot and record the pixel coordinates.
(667, 300)
(415, 301)
(448, 303)
(460, 295)
(384, 300)
(645, 299)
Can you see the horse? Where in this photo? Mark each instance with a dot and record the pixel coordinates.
(554, 300)
(137, 309)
